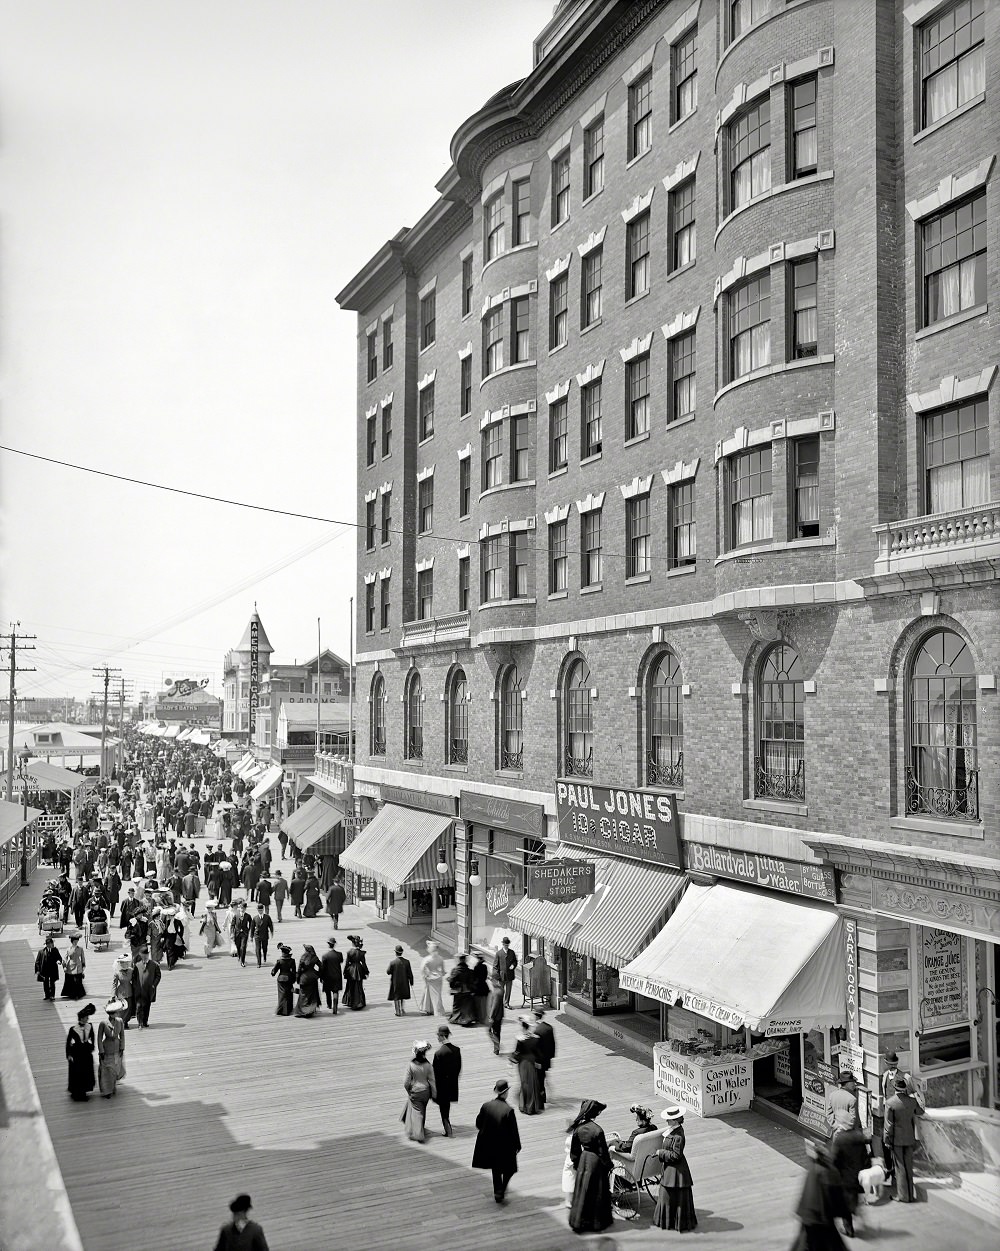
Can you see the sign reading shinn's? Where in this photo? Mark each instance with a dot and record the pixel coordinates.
(620, 819)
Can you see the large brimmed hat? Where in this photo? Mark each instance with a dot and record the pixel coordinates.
(241, 1204)
(421, 1046)
(225, 864)
(115, 1005)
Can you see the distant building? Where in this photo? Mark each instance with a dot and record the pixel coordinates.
(236, 678)
(198, 707)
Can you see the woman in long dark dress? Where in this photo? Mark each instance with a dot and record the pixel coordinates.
(80, 1043)
(821, 1201)
(355, 972)
(529, 1062)
(480, 988)
(284, 971)
(463, 1006)
(675, 1199)
(74, 963)
(590, 1209)
(314, 901)
(307, 1003)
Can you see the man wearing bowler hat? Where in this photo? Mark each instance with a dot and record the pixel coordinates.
(842, 1105)
(498, 1140)
(241, 1233)
(899, 1134)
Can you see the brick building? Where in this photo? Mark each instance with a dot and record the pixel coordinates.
(678, 422)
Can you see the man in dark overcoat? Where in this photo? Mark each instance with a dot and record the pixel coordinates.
(400, 980)
(47, 964)
(498, 1140)
(494, 1014)
(335, 900)
(241, 927)
(297, 891)
(145, 977)
(900, 1137)
(447, 1065)
(546, 1036)
(504, 968)
(331, 972)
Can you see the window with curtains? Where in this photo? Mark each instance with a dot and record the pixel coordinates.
(637, 397)
(369, 608)
(378, 703)
(458, 719)
(779, 767)
(593, 158)
(803, 147)
(750, 327)
(493, 226)
(517, 571)
(387, 343)
(683, 247)
(805, 487)
(591, 280)
(463, 584)
(464, 486)
(425, 595)
(750, 497)
(493, 341)
(558, 558)
(520, 334)
(558, 311)
(427, 412)
(590, 548)
(957, 457)
(373, 356)
(592, 421)
(640, 115)
(492, 456)
(683, 377)
(520, 450)
(414, 717)
(664, 723)
(681, 534)
(383, 603)
(492, 565)
(511, 713)
(386, 429)
(952, 59)
(560, 188)
(386, 535)
(425, 505)
(684, 65)
(578, 722)
(942, 774)
(637, 546)
(558, 435)
(369, 525)
(750, 154)
(467, 281)
(465, 386)
(637, 256)
(804, 313)
(954, 260)
(521, 199)
(428, 320)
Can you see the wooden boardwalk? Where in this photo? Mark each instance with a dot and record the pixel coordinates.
(223, 1096)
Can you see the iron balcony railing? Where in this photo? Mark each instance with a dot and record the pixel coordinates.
(959, 803)
(785, 782)
(378, 743)
(669, 774)
(415, 746)
(512, 759)
(579, 766)
(459, 751)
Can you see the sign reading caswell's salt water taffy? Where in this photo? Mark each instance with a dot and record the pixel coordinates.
(620, 819)
(561, 880)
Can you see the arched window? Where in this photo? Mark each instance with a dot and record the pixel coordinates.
(458, 719)
(942, 776)
(664, 724)
(415, 718)
(780, 766)
(578, 722)
(378, 702)
(511, 739)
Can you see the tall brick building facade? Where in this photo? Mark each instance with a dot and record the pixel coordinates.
(678, 432)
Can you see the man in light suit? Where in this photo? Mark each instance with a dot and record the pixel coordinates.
(900, 1137)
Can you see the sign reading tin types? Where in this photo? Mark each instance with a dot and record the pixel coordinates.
(812, 881)
(620, 819)
(561, 880)
(502, 813)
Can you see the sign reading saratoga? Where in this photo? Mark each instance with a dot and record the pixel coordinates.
(620, 819)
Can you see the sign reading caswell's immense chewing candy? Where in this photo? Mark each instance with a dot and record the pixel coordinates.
(620, 819)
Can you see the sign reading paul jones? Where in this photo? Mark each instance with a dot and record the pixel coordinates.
(561, 880)
(620, 819)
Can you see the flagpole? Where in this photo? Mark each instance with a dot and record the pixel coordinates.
(350, 693)
(319, 688)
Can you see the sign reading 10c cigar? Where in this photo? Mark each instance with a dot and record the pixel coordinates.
(562, 880)
(620, 819)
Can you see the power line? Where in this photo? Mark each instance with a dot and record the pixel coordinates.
(15, 645)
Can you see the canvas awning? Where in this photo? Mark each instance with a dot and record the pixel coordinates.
(742, 956)
(630, 903)
(51, 777)
(172, 731)
(12, 820)
(398, 848)
(201, 737)
(265, 784)
(316, 826)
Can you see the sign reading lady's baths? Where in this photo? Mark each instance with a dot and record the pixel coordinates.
(620, 819)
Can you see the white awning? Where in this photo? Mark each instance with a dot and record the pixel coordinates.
(742, 956)
(267, 782)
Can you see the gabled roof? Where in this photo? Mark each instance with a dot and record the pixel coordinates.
(263, 642)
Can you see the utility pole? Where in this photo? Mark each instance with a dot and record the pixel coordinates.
(106, 672)
(121, 724)
(16, 643)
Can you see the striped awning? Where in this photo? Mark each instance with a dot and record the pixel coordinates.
(399, 847)
(316, 826)
(268, 780)
(630, 904)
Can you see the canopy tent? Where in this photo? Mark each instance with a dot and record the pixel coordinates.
(316, 826)
(747, 957)
(398, 848)
(267, 782)
(630, 903)
(12, 819)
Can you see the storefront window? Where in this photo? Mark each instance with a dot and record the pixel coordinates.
(608, 994)
(946, 1046)
(502, 886)
(594, 986)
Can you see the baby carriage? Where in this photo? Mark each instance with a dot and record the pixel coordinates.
(50, 911)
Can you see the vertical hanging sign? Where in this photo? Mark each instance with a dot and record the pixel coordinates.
(254, 680)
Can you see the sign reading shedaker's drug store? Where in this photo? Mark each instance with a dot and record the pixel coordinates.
(620, 819)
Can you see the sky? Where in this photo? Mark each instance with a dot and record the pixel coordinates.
(185, 185)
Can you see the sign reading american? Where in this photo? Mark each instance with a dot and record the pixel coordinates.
(626, 821)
